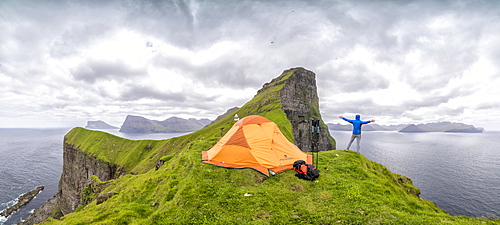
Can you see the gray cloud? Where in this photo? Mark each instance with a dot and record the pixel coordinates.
(430, 45)
(357, 77)
(135, 92)
(93, 70)
(488, 105)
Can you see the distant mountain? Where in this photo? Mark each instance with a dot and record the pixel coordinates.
(428, 127)
(374, 126)
(442, 127)
(366, 127)
(396, 127)
(414, 129)
(338, 126)
(138, 124)
(99, 125)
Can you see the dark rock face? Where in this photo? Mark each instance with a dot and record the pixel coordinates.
(22, 201)
(300, 102)
(43, 212)
(78, 167)
(77, 170)
(99, 125)
(138, 124)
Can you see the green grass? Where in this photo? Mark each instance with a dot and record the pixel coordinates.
(350, 190)
(140, 156)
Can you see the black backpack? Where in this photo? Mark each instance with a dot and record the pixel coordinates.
(305, 171)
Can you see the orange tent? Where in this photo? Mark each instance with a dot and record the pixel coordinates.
(255, 142)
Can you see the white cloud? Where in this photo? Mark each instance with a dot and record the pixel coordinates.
(63, 63)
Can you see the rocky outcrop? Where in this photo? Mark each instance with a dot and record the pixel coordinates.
(300, 102)
(78, 167)
(138, 124)
(49, 208)
(22, 201)
(99, 125)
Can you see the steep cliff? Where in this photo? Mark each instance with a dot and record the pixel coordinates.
(300, 102)
(78, 168)
(293, 94)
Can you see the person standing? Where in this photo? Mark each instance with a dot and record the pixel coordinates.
(356, 129)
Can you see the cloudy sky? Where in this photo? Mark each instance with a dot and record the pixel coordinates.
(63, 63)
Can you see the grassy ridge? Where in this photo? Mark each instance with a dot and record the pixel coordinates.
(141, 156)
(350, 190)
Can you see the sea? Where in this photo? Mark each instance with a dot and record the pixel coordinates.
(460, 172)
(33, 157)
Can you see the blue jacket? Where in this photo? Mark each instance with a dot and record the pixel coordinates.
(356, 124)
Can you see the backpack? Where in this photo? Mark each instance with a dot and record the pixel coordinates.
(305, 171)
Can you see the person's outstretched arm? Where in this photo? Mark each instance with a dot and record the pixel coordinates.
(368, 121)
(348, 120)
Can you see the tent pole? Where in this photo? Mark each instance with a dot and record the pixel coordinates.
(315, 130)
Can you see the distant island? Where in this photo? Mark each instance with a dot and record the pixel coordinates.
(138, 124)
(442, 127)
(412, 128)
(366, 127)
(99, 124)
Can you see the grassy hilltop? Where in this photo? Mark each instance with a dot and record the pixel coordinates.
(350, 190)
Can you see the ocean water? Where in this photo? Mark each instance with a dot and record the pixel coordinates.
(459, 172)
(28, 158)
(33, 157)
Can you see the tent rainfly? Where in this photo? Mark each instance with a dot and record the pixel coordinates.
(255, 142)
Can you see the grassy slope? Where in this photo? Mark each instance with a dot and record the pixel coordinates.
(351, 189)
(140, 156)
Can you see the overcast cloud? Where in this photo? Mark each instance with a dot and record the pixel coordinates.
(63, 63)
